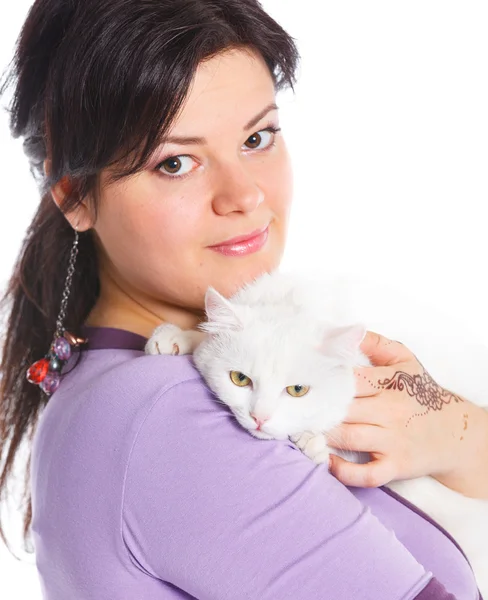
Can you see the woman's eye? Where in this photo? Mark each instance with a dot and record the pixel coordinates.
(262, 139)
(297, 391)
(240, 379)
(180, 166)
(176, 166)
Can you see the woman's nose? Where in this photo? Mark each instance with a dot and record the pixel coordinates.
(236, 192)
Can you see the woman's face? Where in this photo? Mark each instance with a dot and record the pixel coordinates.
(156, 229)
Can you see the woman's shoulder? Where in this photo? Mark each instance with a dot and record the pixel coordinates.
(107, 395)
(197, 480)
(149, 375)
(122, 374)
(204, 502)
(147, 380)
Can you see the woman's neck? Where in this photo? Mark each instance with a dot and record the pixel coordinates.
(123, 307)
(139, 322)
(116, 308)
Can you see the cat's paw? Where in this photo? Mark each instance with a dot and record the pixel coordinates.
(313, 445)
(168, 339)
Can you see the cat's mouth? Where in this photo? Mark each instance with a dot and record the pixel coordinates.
(250, 426)
(264, 435)
(258, 433)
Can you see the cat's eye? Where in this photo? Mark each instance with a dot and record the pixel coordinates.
(240, 379)
(297, 391)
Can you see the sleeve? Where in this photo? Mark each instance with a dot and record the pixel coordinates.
(222, 515)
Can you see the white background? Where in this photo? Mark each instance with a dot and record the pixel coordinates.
(388, 131)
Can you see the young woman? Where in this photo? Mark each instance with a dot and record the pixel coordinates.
(153, 130)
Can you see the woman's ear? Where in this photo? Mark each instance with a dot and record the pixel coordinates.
(80, 216)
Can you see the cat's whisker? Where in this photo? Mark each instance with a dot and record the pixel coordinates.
(337, 442)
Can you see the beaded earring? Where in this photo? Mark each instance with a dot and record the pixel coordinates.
(46, 372)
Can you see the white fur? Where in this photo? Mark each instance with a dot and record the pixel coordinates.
(283, 330)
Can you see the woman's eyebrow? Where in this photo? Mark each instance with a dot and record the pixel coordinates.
(201, 140)
(259, 116)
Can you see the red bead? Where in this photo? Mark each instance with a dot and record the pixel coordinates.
(38, 371)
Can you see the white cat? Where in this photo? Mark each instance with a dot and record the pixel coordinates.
(280, 354)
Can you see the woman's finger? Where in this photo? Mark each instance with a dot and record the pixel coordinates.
(358, 438)
(383, 351)
(373, 474)
(368, 411)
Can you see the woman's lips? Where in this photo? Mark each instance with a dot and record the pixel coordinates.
(244, 246)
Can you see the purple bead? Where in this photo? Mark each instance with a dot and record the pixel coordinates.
(62, 348)
(50, 383)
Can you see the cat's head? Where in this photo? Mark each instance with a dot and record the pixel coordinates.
(279, 370)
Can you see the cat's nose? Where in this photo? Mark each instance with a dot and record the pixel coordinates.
(259, 420)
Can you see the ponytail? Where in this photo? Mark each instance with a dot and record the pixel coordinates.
(32, 301)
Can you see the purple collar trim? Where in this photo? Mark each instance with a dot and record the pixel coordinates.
(100, 338)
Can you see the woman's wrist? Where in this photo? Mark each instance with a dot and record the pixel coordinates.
(469, 451)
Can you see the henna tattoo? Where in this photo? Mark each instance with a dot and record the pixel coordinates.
(465, 424)
(422, 414)
(424, 389)
(377, 387)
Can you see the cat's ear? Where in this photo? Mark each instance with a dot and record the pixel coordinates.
(221, 313)
(343, 341)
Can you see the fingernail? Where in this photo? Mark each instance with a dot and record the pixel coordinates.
(330, 462)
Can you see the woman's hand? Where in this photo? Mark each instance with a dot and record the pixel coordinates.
(410, 425)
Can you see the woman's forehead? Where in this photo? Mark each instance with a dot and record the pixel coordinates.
(232, 86)
(228, 91)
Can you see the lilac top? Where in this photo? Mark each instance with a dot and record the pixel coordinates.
(145, 487)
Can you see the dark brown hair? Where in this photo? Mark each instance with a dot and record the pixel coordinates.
(97, 84)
